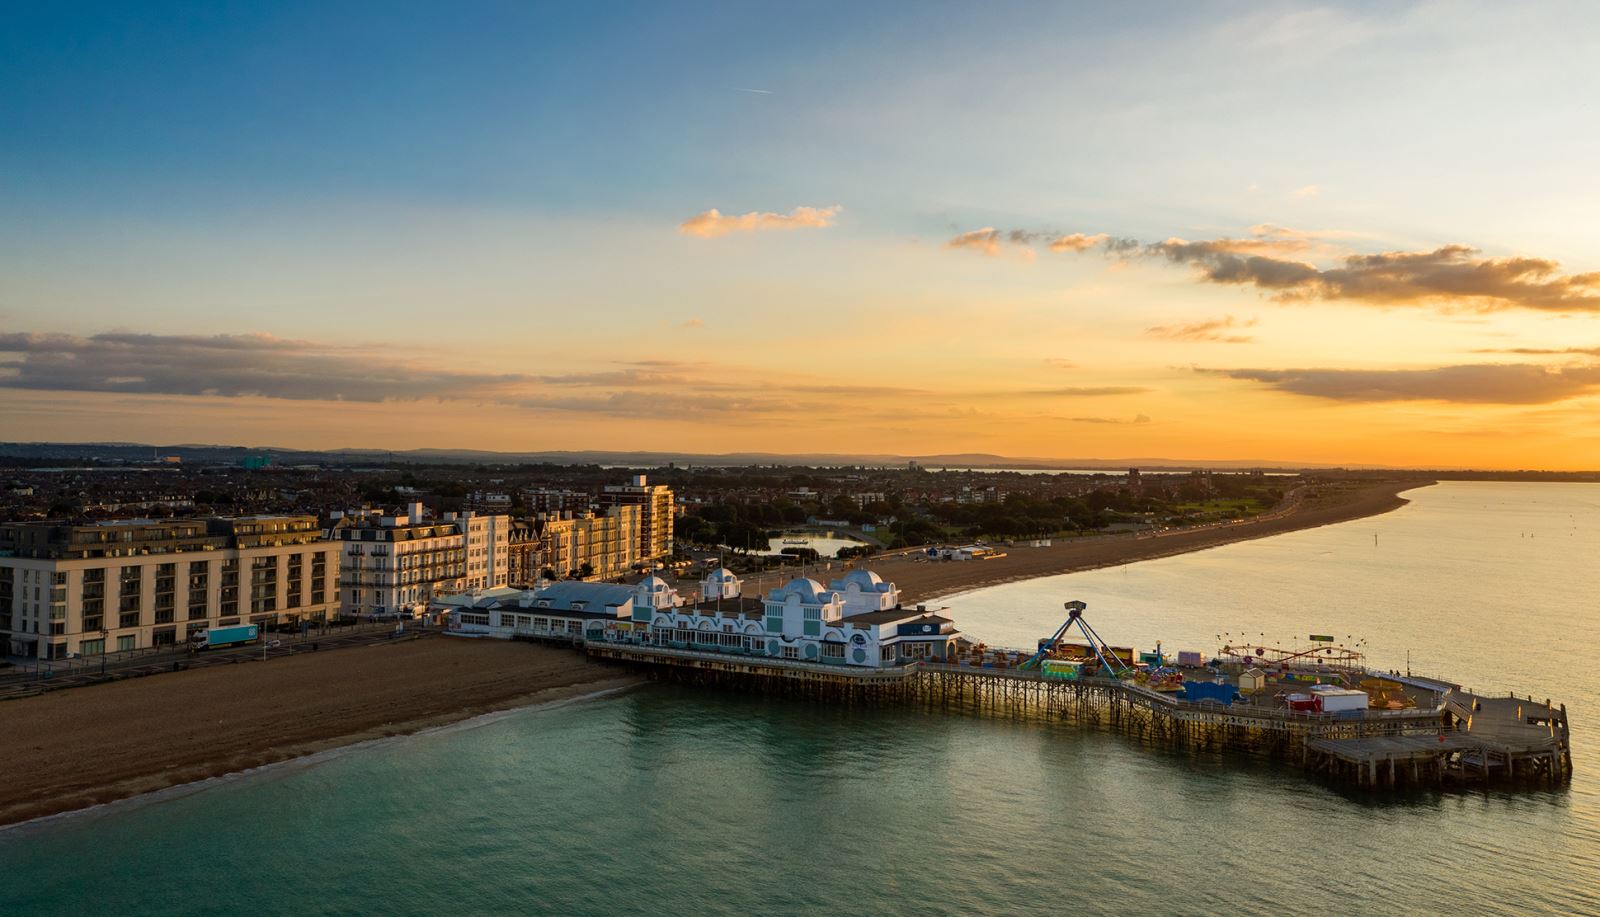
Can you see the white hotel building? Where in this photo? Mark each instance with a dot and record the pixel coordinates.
(396, 564)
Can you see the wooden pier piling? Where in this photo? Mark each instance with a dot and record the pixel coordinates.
(1464, 738)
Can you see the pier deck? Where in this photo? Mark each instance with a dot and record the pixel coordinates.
(1460, 737)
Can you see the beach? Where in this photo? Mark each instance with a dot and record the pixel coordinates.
(921, 580)
(71, 749)
(79, 747)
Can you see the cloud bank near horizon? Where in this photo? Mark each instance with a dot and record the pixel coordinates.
(1481, 383)
(233, 366)
(1273, 260)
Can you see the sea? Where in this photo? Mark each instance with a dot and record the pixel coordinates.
(673, 800)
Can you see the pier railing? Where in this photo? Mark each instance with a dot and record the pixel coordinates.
(1373, 748)
(1167, 700)
(610, 647)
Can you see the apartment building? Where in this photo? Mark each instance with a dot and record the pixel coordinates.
(524, 554)
(557, 500)
(655, 503)
(589, 545)
(136, 583)
(394, 564)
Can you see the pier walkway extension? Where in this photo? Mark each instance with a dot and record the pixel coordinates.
(1456, 736)
(1479, 738)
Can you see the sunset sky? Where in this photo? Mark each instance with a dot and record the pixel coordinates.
(1366, 233)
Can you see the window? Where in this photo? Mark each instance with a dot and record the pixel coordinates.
(791, 652)
(812, 625)
(127, 643)
(886, 654)
(92, 647)
(833, 651)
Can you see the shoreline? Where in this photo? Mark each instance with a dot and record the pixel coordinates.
(84, 748)
(147, 737)
(339, 746)
(923, 581)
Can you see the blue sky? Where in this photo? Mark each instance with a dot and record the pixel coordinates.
(1004, 109)
(468, 182)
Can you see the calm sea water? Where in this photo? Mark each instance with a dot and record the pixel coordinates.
(669, 800)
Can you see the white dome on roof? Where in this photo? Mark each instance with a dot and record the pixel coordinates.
(655, 592)
(863, 591)
(865, 579)
(720, 584)
(809, 590)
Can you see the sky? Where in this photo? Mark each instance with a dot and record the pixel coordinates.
(1357, 233)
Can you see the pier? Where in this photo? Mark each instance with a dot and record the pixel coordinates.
(1460, 738)
(1316, 707)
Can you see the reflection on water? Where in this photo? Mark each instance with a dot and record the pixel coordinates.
(824, 545)
(676, 800)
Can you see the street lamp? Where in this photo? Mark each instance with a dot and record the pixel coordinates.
(104, 634)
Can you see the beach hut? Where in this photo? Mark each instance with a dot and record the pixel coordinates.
(1252, 680)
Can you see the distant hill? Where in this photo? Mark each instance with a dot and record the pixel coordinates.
(198, 452)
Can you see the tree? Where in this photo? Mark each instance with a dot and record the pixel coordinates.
(693, 529)
(586, 571)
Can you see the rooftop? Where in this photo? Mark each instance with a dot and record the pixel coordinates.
(895, 615)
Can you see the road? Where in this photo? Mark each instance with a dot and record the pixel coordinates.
(67, 673)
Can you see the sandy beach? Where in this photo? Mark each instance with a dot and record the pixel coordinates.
(921, 580)
(71, 749)
(924, 580)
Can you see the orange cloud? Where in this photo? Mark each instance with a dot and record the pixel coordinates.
(713, 222)
(1275, 260)
(1211, 330)
(1076, 242)
(985, 241)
